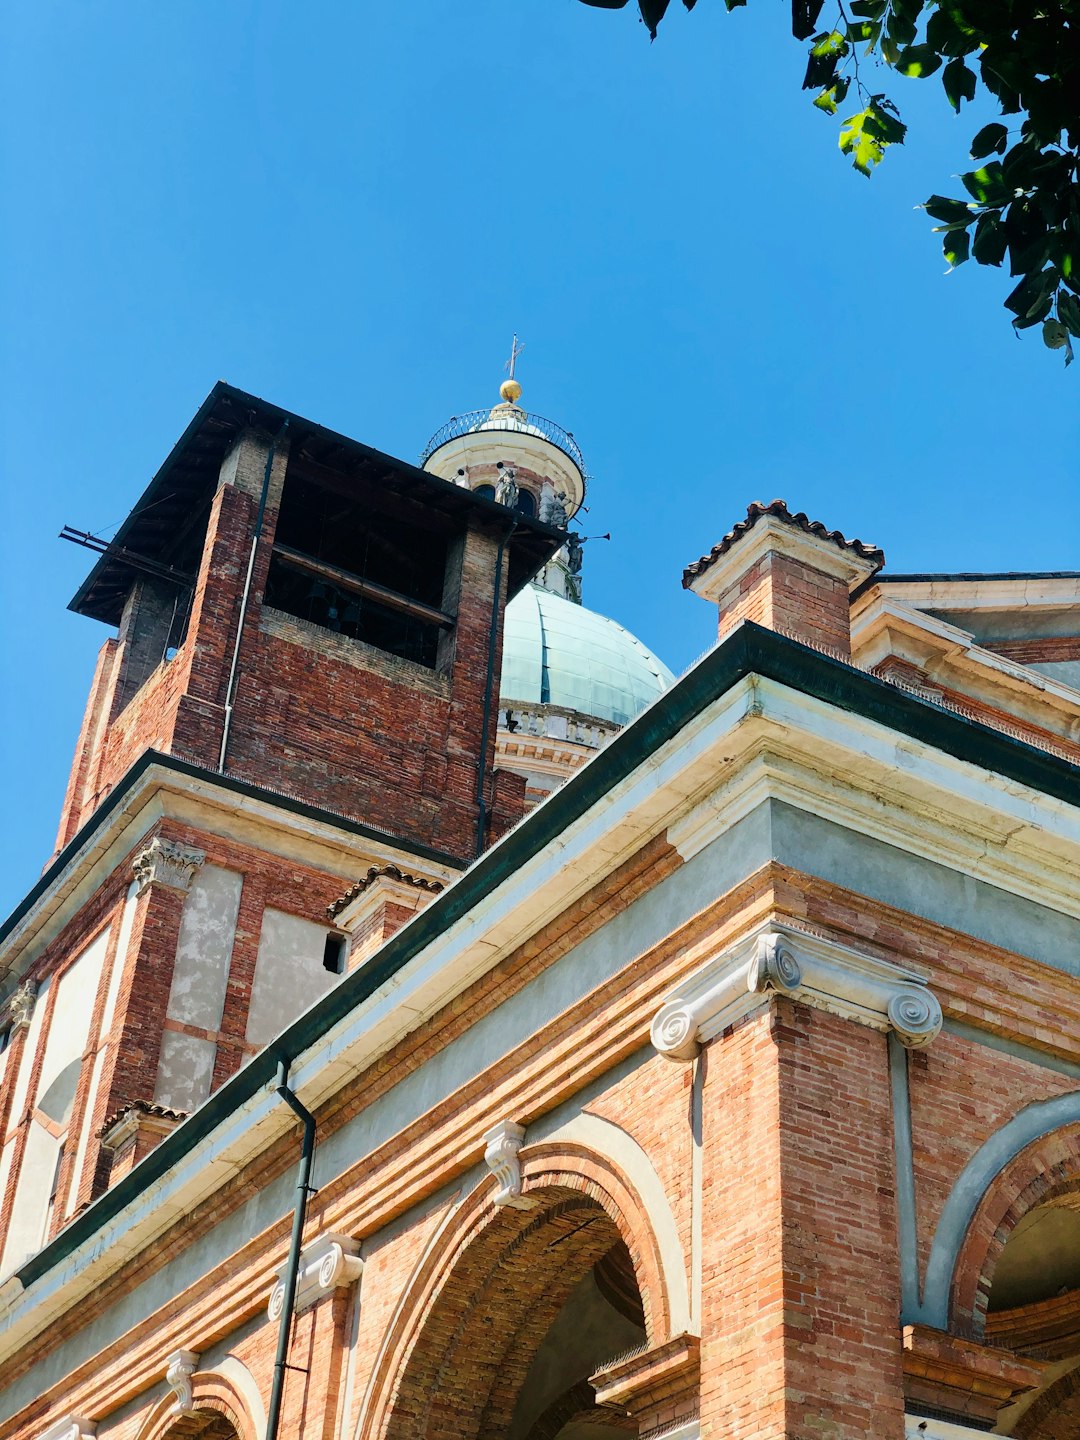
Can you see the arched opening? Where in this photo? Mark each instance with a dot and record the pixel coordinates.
(203, 1425)
(533, 1304)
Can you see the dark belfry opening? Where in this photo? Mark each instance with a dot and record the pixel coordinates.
(370, 575)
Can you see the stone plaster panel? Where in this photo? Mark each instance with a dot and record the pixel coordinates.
(289, 973)
(185, 1071)
(207, 932)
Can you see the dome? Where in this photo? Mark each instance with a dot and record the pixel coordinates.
(558, 653)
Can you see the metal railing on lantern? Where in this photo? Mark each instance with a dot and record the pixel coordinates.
(519, 420)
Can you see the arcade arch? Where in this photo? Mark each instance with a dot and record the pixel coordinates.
(517, 1308)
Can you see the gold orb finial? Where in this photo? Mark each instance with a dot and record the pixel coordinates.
(510, 391)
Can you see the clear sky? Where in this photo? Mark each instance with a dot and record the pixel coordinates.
(349, 208)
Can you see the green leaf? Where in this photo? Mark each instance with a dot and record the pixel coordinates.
(831, 43)
(918, 61)
(652, 12)
(833, 95)
(1068, 309)
(1055, 335)
(957, 247)
(1031, 300)
(869, 9)
(940, 207)
(865, 149)
(990, 240)
(987, 184)
(991, 139)
(825, 54)
(883, 122)
(959, 83)
(863, 30)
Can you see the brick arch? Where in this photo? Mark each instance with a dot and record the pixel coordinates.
(1055, 1415)
(220, 1413)
(487, 1292)
(1044, 1170)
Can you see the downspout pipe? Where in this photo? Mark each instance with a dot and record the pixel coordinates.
(489, 685)
(292, 1267)
(230, 689)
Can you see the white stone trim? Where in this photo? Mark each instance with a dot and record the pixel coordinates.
(770, 534)
(72, 1427)
(327, 1262)
(180, 1367)
(919, 1427)
(814, 971)
(163, 862)
(21, 1005)
(502, 1146)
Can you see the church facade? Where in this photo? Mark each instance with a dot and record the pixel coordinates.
(439, 1021)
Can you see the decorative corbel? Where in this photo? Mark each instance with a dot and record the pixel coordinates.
(815, 971)
(327, 1262)
(164, 862)
(502, 1146)
(182, 1365)
(21, 1005)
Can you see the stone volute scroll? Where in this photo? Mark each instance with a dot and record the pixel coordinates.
(818, 972)
(502, 1146)
(180, 1367)
(326, 1263)
(164, 862)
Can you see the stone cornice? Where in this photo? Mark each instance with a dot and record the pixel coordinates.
(700, 745)
(782, 960)
(325, 1263)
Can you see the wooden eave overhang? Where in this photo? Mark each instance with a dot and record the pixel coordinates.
(188, 477)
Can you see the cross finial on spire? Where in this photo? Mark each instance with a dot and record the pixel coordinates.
(510, 390)
(515, 351)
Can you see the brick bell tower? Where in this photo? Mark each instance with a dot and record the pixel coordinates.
(299, 611)
(301, 697)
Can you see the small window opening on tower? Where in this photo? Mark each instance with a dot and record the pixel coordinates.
(334, 951)
(366, 567)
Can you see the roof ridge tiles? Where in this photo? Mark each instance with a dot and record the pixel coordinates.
(779, 510)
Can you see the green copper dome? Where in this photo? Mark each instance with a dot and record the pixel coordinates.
(558, 653)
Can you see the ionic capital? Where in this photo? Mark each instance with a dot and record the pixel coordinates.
(327, 1262)
(812, 970)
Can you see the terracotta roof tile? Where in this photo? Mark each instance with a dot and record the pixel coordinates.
(779, 509)
(141, 1107)
(380, 872)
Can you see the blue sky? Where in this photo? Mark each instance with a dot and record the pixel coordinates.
(348, 209)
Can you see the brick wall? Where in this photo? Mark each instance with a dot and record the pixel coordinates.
(786, 594)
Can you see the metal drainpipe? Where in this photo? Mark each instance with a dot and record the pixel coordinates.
(481, 771)
(230, 689)
(292, 1268)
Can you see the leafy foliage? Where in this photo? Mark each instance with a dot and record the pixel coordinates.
(1023, 204)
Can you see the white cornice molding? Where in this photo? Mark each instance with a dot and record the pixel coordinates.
(162, 793)
(325, 1263)
(817, 972)
(502, 1147)
(844, 766)
(921, 1427)
(770, 535)
(179, 1368)
(72, 1427)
